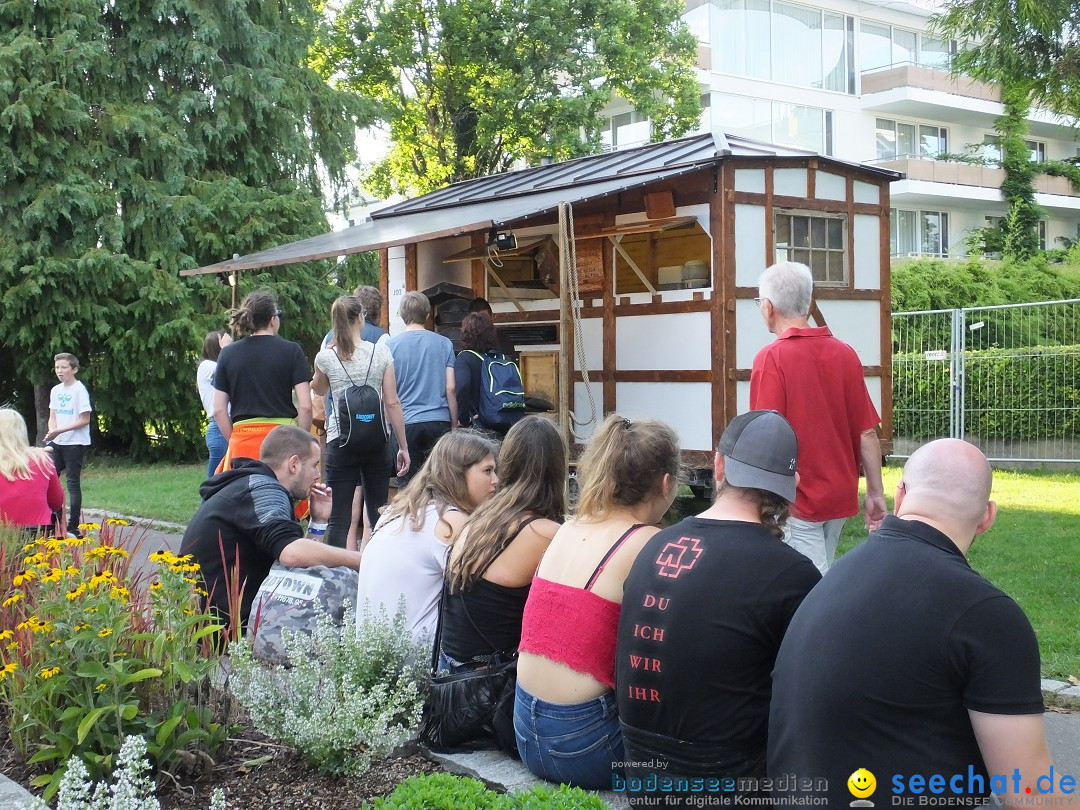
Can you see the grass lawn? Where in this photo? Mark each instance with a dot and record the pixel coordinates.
(158, 491)
(1032, 552)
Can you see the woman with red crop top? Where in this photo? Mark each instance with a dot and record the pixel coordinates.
(29, 488)
(564, 716)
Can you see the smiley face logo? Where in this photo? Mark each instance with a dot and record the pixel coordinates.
(862, 783)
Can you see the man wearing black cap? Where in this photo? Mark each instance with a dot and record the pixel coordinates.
(704, 611)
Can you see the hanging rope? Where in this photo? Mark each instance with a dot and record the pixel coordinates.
(569, 258)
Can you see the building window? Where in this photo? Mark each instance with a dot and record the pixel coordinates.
(897, 139)
(991, 150)
(884, 46)
(1042, 234)
(919, 233)
(784, 42)
(816, 240)
(774, 122)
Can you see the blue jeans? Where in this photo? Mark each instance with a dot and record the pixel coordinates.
(216, 444)
(573, 744)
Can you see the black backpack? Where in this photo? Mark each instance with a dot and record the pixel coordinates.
(361, 425)
(502, 395)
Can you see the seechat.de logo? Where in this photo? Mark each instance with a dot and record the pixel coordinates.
(862, 785)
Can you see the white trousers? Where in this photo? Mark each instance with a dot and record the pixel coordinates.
(817, 541)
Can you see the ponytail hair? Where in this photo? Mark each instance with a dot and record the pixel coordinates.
(254, 313)
(345, 313)
(624, 463)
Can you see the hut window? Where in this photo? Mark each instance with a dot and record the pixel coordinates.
(816, 240)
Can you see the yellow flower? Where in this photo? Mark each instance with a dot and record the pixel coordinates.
(118, 593)
(53, 576)
(118, 551)
(26, 576)
(53, 544)
(101, 686)
(71, 571)
(30, 546)
(43, 566)
(190, 581)
(5, 634)
(90, 526)
(11, 600)
(201, 592)
(155, 585)
(191, 568)
(13, 645)
(81, 626)
(33, 559)
(106, 632)
(41, 628)
(7, 669)
(75, 542)
(189, 612)
(49, 672)
(100, 551)
(75, 594)
(116, 522)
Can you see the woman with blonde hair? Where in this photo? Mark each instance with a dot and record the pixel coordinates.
(351, 360)
(30, 489)
(565, 720)
(493, 561)
(406, 558)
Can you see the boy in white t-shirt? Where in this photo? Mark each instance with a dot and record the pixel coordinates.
(69, 432)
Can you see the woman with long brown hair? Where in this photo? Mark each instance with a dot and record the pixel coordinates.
(493, 561)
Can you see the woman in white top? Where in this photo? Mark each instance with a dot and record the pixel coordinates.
(406, 557)
(204, 378)
(350, 360)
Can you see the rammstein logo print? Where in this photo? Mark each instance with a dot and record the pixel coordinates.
(678, 556)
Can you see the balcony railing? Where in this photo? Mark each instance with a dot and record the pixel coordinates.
(968, 174)
(907, 74)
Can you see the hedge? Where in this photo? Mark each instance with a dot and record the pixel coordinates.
(1030, 393)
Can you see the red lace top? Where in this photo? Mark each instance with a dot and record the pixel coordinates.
(572, 625)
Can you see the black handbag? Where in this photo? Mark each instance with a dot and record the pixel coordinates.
(466, 706)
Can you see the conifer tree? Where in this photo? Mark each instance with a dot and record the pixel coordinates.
(138, 139)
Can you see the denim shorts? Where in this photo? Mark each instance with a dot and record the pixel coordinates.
(573, 744)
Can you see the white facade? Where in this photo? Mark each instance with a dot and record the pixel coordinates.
(863, 81)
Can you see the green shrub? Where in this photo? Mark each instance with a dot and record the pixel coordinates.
(1009, 394)
(444, 791)
(344, 698)
(91, 653)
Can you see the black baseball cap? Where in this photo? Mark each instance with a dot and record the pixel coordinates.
(760, 452)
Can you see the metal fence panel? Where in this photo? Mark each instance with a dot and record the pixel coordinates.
(1006, 378)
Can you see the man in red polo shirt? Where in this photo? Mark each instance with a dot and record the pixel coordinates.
(816, 382)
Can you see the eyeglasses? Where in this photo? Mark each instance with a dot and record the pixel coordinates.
(279, 314)
(758, 301)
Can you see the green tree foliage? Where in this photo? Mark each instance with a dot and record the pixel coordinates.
(1035, 43)
(467, 87)
(137, 140)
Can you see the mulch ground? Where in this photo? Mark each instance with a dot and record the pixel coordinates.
(282, 782)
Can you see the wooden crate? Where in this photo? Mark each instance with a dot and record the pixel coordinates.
(540, 374)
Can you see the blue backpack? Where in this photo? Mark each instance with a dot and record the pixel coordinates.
(502, 394)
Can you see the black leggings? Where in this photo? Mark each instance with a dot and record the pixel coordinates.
(345, 471)
(69, 457)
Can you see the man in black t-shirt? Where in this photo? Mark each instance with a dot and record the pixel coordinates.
(704, 610)
(907, 663)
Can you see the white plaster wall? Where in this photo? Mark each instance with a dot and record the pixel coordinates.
(592, 339)
(867, 256)
(687, 407)
(677, 341)
(828, 186)
(789, 182)
(857, 323)
(750, 180)
(750, 260)
(395, 284)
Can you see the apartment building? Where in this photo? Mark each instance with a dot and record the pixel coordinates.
(863, 80)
